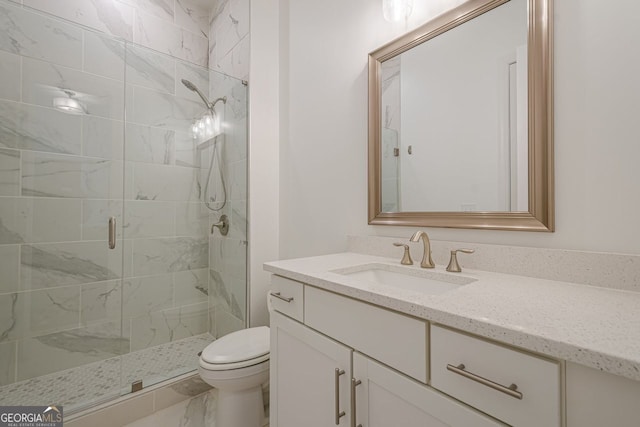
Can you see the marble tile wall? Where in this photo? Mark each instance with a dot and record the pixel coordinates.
(65, 298)
(175, 27)
(229, 39)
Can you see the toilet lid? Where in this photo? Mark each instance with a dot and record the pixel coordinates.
(239, 346)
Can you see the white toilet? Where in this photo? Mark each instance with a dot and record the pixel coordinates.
(238, 365)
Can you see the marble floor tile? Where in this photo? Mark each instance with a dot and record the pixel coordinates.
(195, 412)
(80, 385)
(92, 383)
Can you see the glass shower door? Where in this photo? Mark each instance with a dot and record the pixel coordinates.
(61, 180)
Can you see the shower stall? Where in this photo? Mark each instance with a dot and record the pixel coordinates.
(115, 173)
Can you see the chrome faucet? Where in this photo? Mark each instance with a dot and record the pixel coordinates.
(426, 262)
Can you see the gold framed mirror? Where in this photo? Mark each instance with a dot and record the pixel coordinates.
(435, 134)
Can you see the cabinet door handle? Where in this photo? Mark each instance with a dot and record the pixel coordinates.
(512, 390)
(277, 295)
(354, 383)
(112, 232)
(339, 414)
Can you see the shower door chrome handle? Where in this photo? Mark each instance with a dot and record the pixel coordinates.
(112, 232)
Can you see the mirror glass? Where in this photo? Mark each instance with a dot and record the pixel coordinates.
(460, 120)
(454, 128)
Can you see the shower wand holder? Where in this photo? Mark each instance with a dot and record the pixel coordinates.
(222, 225)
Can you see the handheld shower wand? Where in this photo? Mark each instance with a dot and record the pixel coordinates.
(195, 89)
(210, 106)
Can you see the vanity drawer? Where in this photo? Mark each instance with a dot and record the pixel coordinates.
(391, 338)
(289, 300)
(537, 379)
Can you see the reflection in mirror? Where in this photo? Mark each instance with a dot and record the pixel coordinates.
(460, 120)
(454, 130)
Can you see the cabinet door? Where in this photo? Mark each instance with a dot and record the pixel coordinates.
(598, 399)
(303, 377)
(387, 398)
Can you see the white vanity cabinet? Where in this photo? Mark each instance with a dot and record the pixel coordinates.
(597, 399)
(519, 388)
(312, 383)
(384, 398)
(306, 390)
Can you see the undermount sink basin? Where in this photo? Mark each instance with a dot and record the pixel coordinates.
(409, 279)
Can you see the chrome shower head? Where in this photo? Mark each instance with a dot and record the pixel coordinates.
(189, 85)
(195, 89)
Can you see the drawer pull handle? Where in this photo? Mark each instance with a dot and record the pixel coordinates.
(339, 414)
(354, 383)
(512, 390)
(277, 295)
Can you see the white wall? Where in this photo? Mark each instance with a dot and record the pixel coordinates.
(323, 163)
(263, 151)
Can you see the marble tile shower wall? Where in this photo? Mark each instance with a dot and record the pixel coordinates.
(229, 54)
(175, 27)
(63, 299)
(229, 38)
(228, 254)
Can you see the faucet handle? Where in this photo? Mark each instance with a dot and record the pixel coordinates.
(406, 258)
(453, 266)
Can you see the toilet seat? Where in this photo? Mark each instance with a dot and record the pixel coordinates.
(240, 349)
(232, 366)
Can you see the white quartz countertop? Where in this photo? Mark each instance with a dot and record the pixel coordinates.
(593, 326)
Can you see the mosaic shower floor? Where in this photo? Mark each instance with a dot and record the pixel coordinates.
(87, 385)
